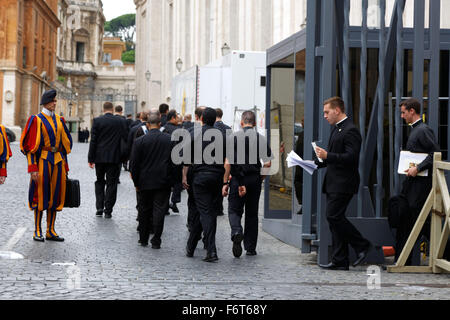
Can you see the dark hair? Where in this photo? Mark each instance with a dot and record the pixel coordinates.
(163, 108)
(411, 104)
(144, 116)
(171, 115)
(119, 109)
(129, 115)
(138, 115)
(219, 113)
(108, 106)
(249, 117)
(199, 111)
(335, 102)
(209, 116)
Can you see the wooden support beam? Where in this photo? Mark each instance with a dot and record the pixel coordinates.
(443, 165)
(443, 264)
(438, 202)
(443, 240)
(442, 185)
(416, 230)
(409, 269)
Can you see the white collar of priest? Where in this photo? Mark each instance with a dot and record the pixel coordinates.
(47, 112)
(416, 123)
(340, 122)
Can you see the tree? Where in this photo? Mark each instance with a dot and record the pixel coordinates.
(123, 27)
(128, 56)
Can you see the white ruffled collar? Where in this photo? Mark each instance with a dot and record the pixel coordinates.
(47, 112)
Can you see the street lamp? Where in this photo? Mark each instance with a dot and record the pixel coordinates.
(148, 75)
(179, 64)
(225, 49)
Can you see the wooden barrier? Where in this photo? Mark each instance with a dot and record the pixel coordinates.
(438, 204)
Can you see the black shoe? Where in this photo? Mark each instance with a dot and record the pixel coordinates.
(53, 238)
(99, 213)
(156, 246)
(251, 253)
(362, 256)
(108, 215)
(211, 258)
(189, 252)
(118, 182)
(174, 207)
(332, 266)
(143, 244)
(168, 213)
(40, 239)
(237, 248)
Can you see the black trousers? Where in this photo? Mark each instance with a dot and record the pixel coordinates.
(154, 205)
(192, 208)
(176, 192)
(416, 191)
(342, 231)
(207, 189)
(107, 175)
(250, 202)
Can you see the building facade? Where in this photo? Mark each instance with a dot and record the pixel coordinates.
(28, 48)
(112, 49)
(85, 82)
(194, 32)
(80, 50)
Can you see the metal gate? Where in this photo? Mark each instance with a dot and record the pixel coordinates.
(329, 39)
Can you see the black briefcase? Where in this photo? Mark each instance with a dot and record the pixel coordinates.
(73, 198)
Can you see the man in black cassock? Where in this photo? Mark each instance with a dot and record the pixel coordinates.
(415, 188)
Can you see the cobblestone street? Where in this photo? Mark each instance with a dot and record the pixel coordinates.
(105, 255)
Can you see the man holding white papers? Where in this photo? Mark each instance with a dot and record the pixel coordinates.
(341, 182)
(415, 188)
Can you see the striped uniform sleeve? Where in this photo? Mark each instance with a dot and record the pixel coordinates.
(5, 151)
(30, 141)
(66, 142)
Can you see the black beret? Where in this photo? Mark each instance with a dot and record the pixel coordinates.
(48, 96)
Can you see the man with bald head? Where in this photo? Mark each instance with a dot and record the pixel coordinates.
(152, 169)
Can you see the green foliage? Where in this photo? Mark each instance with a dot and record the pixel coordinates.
(128, 56)
(123, 27)
(61, 79)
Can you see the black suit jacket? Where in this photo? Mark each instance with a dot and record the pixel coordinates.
(106, 134)
(131, 136)
(221, 126)
(151, 166)
(343, 159)
(187, 124)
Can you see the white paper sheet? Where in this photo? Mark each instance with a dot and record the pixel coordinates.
(294, 159)
(408, 159)
(314, 145)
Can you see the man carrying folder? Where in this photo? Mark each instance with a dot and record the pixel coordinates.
(415, 188)
(341, 182)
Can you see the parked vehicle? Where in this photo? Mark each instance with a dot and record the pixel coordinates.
(234, 83)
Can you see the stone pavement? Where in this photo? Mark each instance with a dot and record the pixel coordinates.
(101, 259)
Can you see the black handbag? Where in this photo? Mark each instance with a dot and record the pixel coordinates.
(73, 197)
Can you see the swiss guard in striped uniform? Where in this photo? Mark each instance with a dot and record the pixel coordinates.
(46, 142)
(5, 153)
